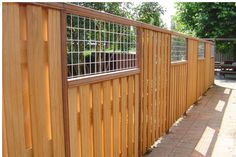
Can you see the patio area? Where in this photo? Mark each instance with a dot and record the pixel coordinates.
(209, 128)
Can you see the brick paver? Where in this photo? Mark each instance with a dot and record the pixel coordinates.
(208, 130)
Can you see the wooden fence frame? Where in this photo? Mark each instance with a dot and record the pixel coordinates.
(146, 79)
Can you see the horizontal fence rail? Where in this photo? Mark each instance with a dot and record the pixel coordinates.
(70, 90)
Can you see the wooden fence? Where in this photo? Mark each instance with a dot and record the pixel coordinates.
(119, 114)
(221, 57)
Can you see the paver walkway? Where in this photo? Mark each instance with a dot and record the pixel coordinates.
(208, 130)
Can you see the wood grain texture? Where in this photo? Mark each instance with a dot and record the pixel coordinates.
(178, 94)
(38, 83)
(123, 116)
(130, 115)
(97, 119)
(73, 110)
(85, 120)
(154, 98)
(144, 104)
(107, 117)
(116, 119)
(136, 115)
(150, 81)
(12, 87)
(141, 94)
(192, 72)
(154, 87)
(65, 83)
(39, 79)
(200, 77)
(55, 82)
(4, 133)
(114, 115)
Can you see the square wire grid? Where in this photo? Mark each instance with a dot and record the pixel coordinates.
(213, 50)
(178, 48)
(95, 46)
(201, 50)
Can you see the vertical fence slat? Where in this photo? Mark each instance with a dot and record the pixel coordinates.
(123, 116)
(182, 87)
(107, 117)
(166, 81)
(154, 99)
(175, 94)
(191, 90)
(144, 105)
(141, 114)
(4, 133)
(167, 85)
(171, 94)
(161, 84)
(97, 119)
(25, 83)
(55, 84)
(116, 121)
(149, 104)
(136, 115)
(12, 87)
(38, 81)
(168, 69)
(158, 83)
(130, 115)
(85, 120)
(73, 117)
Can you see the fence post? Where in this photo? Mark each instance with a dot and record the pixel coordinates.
(65, 84)
(139, 43)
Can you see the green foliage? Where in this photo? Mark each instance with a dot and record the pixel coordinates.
(150, 12)
(109, 7)
(145, 12)
(226, 46)
(208, 20)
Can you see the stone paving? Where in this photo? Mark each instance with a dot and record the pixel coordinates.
(209, 129)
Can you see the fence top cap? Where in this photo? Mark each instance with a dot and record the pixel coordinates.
(72, 8)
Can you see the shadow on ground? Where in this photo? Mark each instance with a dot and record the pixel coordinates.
(209, 128)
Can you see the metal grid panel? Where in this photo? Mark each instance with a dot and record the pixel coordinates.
(95, 46)
(212, 50)
(178, 48)
(201, 50)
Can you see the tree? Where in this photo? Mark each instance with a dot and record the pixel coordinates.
(208, 20)
(115, 8)
(150, 12)
(145, 12)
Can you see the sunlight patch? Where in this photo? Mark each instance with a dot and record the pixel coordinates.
(205, 141)
(227, 91)
(219, 107)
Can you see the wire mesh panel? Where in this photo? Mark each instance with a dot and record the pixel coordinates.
(178, 48)
(212, 50)
(95, 46)
(201, 50)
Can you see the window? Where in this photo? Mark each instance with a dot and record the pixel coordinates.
(95, 46)
(201, 50)
(212, 50)
(178, 48)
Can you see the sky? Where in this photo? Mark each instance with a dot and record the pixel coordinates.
(170, 10)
